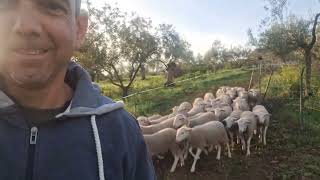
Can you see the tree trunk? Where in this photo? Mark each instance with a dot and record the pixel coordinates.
(143, 72)
(308, 63)
(125, 91)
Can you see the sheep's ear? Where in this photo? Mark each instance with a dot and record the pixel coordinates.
(222, 110)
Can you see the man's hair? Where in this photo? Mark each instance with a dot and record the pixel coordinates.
(78, 7)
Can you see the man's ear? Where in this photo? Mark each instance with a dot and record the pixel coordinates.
(82, 26)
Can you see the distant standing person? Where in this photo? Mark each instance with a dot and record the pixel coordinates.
(54, 123)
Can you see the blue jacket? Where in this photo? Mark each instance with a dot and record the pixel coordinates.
(94, 139)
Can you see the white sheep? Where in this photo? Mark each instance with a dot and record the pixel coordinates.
(154, 117)
(227, 122)
(143, 121)
(264, 119)
(255, 97)
(193, 121)
(222, 112)
(247, 124)
(168, 123)
(220, 92)
(208, 96)
(224, 99)
(209, 134)
(159, 120)
(197, 101)
(184, 107)
(240, 104)
(243, 95)
(162, 142)
(200, 107)
(232, 93)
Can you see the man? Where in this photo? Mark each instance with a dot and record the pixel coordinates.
(54, 124)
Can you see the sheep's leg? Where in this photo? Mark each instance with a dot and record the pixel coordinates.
(264, 135)
(160, 157)
(186, 152)
(174, 165)
(260, 135)
(197, 156)
(190, 151)
(231, 139)
(205, 151)
(210, 148)
(181, 159)
(228, 148)
(243, 147)
(219, 152)
(248, 145)
(238, 140)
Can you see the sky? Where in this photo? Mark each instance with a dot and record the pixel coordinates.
(201, 22)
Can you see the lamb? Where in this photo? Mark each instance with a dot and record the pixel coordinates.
(239, 89)
(264, 119)
(184, 107)
(225, 99)
(227, 122)
(220, 92)
(255, 97)
(168, 123)
(157, 121)
(143, 121)
(154, 117)
(240, 104)
(162, 142)
(232, 93)
(246, 124)
(202, 118)
(196, 109)
(208, 96)
(243, 95)
(198, 101)
(222, 112)
(202, 136)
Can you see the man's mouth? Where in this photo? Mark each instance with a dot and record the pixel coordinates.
(31, 52)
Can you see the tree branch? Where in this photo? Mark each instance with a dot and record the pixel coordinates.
(314, 34)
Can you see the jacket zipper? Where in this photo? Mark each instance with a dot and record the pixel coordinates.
(31, 152)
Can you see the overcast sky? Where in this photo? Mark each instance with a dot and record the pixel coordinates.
(200, 22)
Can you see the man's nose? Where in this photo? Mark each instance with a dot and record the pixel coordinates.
(27, 22)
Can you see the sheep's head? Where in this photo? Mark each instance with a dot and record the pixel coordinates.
(228, 122)
(184, 107)
(143, 121)
(175, 109)
(183, 134)
(179, 121)
(219, 112)
(208, 96)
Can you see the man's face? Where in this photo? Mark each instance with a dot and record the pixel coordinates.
(37, 40)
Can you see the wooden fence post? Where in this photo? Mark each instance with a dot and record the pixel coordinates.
(301, 100)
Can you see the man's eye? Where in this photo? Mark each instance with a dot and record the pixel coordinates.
(5, 4)
(56, 8)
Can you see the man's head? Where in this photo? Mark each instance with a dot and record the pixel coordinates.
(38, 38)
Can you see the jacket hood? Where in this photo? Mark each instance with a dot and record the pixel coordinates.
(87, 99)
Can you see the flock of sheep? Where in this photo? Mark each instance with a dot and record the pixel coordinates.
(210, 122)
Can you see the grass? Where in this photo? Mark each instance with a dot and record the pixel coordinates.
(290, 153)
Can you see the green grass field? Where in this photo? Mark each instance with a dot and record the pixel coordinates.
(290, 153)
